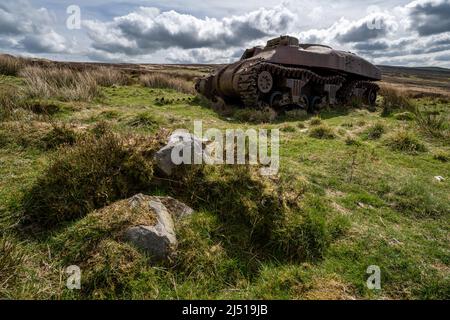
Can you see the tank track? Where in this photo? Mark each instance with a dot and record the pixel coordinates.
(347, 92)
(247, 81)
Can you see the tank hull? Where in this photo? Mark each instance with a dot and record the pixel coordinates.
(285, 72)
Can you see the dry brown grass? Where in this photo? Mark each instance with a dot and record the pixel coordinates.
(64, 84)
(107, 77)
(10, 65)
(394, 99)
(10, 100)
(330, 288)
(165, 81)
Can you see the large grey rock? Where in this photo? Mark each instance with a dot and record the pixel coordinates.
(158, 241)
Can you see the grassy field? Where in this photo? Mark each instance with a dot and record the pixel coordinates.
(355, 188)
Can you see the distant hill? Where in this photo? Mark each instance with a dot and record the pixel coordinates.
(420, 72)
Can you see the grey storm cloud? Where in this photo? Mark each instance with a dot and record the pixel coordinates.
(148, 30)
(369, 46)
(402, 47)
(443, 57)
(362, 33)
(430, 17)
(19, 17)
(8, 21)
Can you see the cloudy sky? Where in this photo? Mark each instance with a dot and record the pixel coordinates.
(395, 32)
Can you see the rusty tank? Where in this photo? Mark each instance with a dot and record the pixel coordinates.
(286, 73)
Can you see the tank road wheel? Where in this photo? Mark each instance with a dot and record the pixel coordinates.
(265, 82)
(275, 99)
(303, 102)
(370, 97)
(314, 105)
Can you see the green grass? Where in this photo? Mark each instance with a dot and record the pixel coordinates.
(365, 197)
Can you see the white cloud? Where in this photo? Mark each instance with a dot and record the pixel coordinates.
(26, 28)
(148, 30)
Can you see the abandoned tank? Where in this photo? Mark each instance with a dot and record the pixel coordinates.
(286, 73)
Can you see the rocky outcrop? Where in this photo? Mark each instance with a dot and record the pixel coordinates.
(158, 241)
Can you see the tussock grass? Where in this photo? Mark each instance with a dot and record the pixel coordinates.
(441, 155)
(267, 115)
(59, 135)
(404, 116)
(395, 100)
(350, 141)
(303, 236)
(107, 77)
(375, 131)
(166, 81)
(288, 128)
(109, 115)
(10, 65)
(145, 120)
(435, 124)
(405, 141)
(87, 176)
(43, 107)
(316, 121)
(15, 105)
(60, 83)
(11, 99)
(322, 132)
